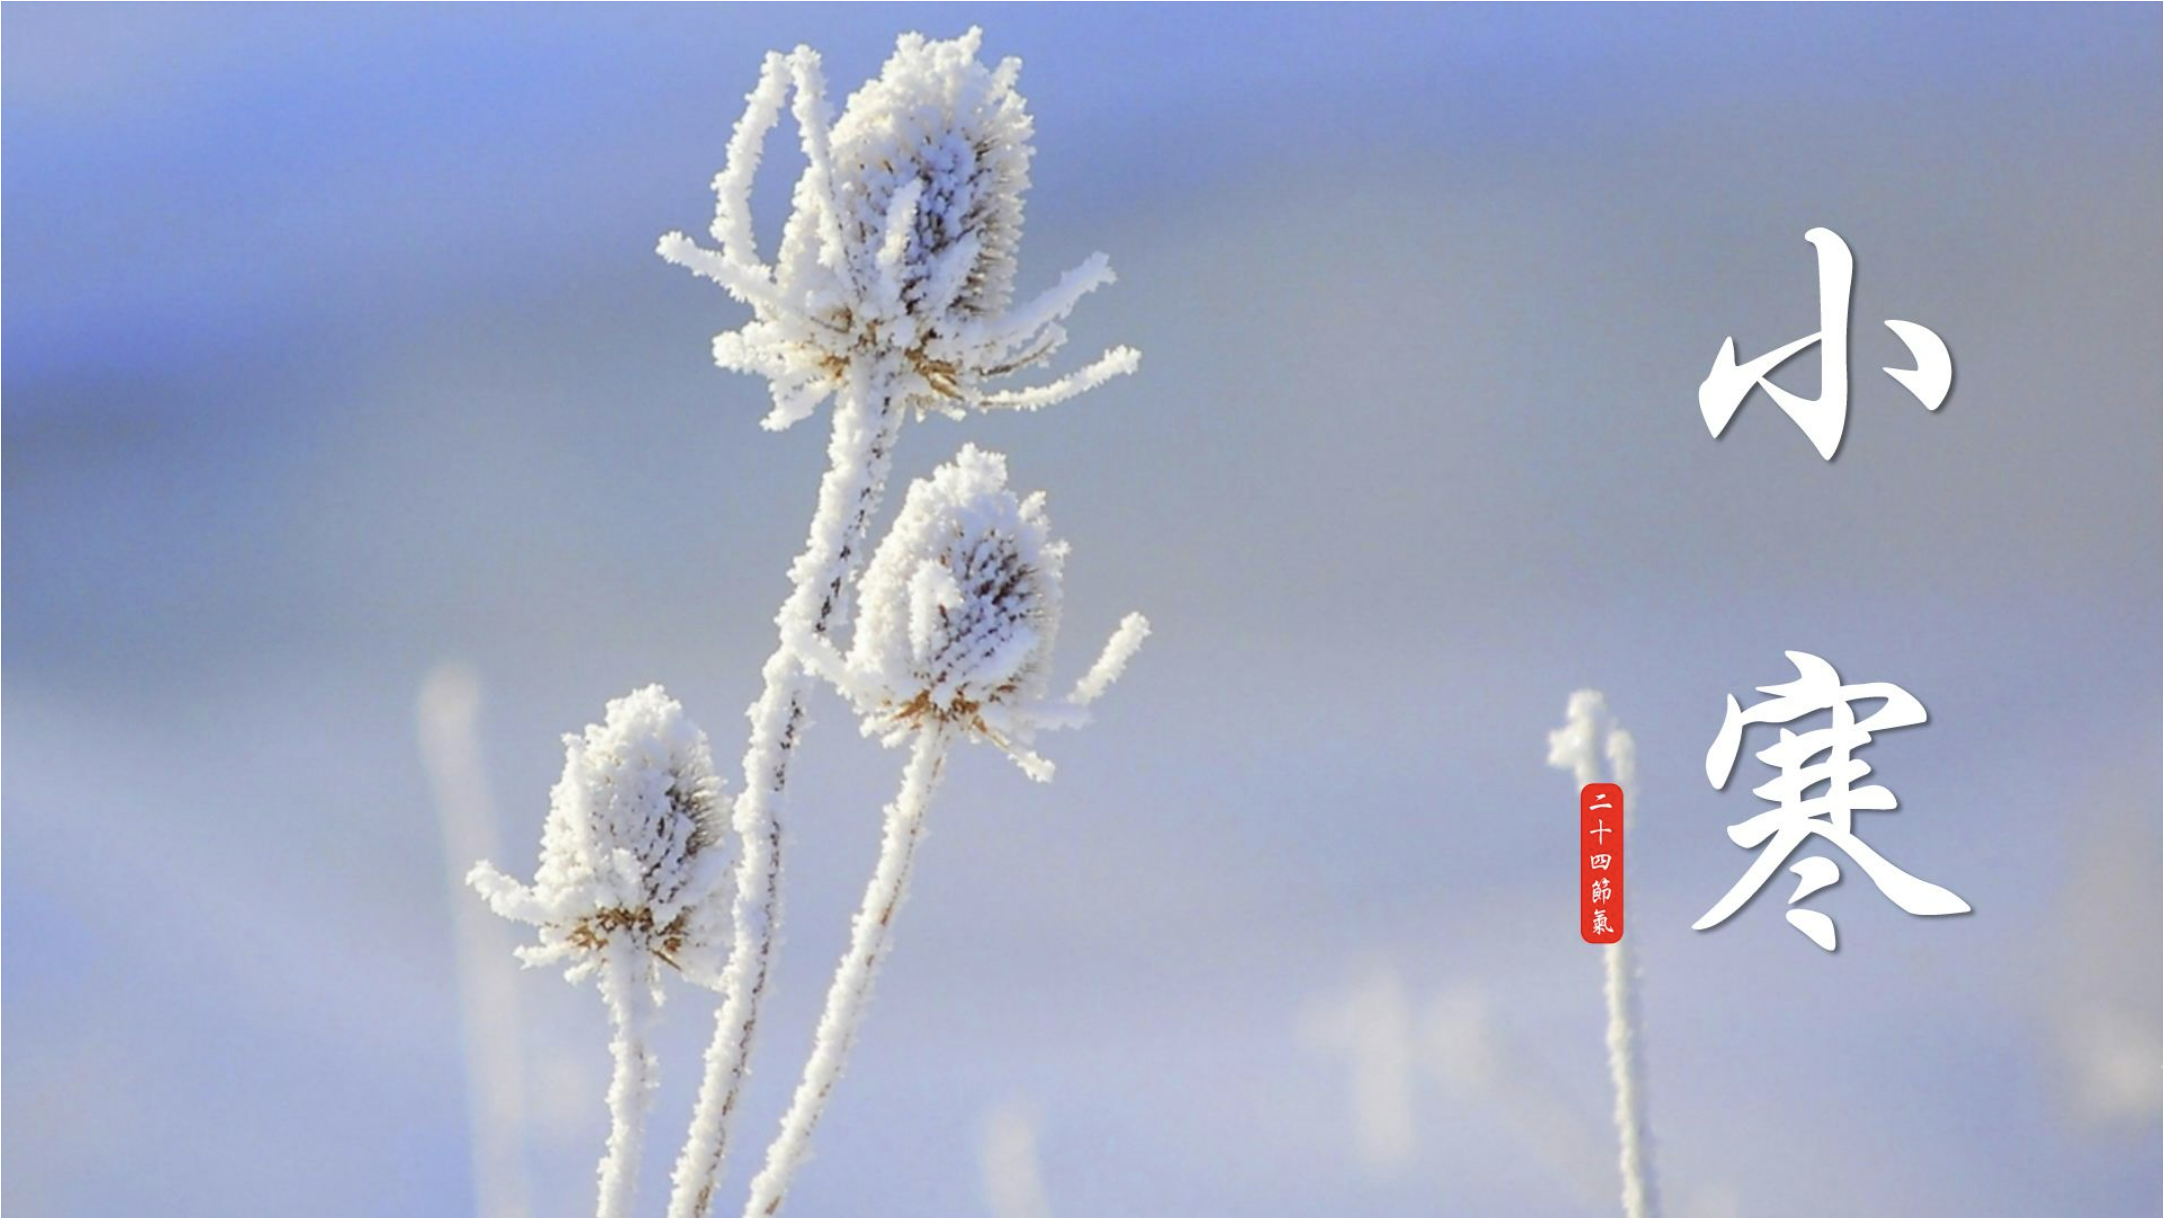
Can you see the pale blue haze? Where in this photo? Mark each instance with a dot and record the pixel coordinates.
(335, 347)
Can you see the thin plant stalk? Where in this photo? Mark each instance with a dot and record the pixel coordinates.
(867, 421)
(629, 995)
(1626, 1063)
(960, 606)
(1589, 733)
(488, 997)
(850, 991)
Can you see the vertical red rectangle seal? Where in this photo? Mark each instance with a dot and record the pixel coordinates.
(1600, 863)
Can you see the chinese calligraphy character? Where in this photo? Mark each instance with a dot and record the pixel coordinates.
(1805, 761)
(1600, 923)
(1600, 830)
(1825, 417)
(1601, 890)
(1600, 862)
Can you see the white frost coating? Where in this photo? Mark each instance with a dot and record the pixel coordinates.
(1125, 642)
(630, 878)
(961, 600)
(960, 607)
(1589, 731)
(1119, 361)
(731, 228)
(850, 991)
(1626, 1055)
(627, 985)
(902, 239)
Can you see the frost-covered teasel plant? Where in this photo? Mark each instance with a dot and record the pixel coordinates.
(933, 156)
(1588, 733)
(892, 294)
(628, 881)
(961, 604)
(896, 270)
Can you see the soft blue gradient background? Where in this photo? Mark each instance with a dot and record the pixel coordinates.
(335, 348)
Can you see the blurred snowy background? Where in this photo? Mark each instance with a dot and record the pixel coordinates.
(335, 349)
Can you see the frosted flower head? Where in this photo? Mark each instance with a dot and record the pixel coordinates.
(630, 853)
(960, 603)
(900, 249)
(958, 611)
(943, 141)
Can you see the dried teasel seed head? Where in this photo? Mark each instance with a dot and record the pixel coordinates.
(942, 137)
(631, 850)
(957, 614)
(899, 253)
(960, 603)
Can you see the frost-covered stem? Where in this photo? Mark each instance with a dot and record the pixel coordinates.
(1635, 1157)
(852, 985)
(629, 995)
(1577, 746)
(1626, 1066)
(867, 420)
(488, 996)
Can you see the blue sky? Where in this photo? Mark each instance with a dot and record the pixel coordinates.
(336, 349)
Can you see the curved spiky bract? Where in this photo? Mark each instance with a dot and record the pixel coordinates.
(901, 242)
(631, 851)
